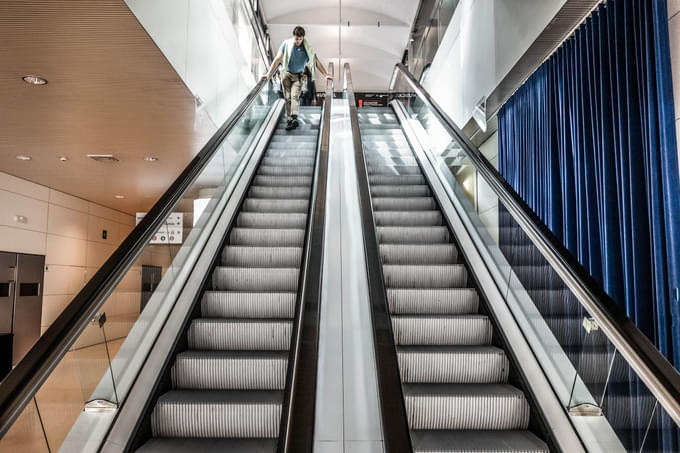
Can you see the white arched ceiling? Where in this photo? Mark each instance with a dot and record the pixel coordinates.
(372, 50)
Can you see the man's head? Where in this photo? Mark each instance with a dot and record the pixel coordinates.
(299, 35)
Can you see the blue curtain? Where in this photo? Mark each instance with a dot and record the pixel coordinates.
(589, 143)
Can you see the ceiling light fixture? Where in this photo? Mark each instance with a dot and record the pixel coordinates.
(22, 157)
(120, 197)
(151, 159)
(63, 159)
(34, 80)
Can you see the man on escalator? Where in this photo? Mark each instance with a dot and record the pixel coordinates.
(294, 55)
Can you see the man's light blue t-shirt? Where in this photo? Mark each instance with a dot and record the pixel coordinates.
(298, 59)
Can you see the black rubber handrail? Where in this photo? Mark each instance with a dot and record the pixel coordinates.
(22, 383)
(661, 378)
(297, 422)
(396, 436)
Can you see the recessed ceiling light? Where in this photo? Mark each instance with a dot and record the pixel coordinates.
(63, 158)
(34, 80)
(151, 159)
(22, 157)
(120, 197)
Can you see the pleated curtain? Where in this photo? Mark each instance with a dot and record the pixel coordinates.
(589, 143)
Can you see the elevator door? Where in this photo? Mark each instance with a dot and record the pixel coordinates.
(28, 303)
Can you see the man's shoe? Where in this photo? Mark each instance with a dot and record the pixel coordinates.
(289, 125)
(295, 124)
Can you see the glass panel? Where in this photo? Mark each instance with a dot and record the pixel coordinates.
(98, 371)
(587, 373)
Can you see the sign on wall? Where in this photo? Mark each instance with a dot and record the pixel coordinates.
(170, 233)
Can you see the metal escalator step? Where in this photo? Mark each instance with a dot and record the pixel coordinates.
(179, 445)
(218, 413)
(267, 237)
(435, 276)
(293, 139)
(288, 161)
(413, 235)
(280, 181)
(420, 190)
(235, 304)
(271, 220)
(230, 370)
(380, 151)
(290, 147)
(506, 441)
(453, 364)
(394, 170)
(266, 170)
(404, 204)
(466, 406)
(216, 334)
(275, 205)
(309, 152)
(238, 256)
(396, 179)
(461, 330)
(289, 192)
(419, 254)
(437, 301)
(378, 159)
(255, 279)
(408, 218)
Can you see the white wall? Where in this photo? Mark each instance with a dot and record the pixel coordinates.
(66, 229)
(483, 42)
(210, 45)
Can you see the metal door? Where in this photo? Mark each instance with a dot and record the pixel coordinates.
(28, 305)
(8, 264)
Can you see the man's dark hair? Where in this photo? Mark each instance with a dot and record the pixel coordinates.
(299, 31)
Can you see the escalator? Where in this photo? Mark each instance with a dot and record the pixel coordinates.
(454, 379)
(227, 388)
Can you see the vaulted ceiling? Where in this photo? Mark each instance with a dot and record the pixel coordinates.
(371, 36)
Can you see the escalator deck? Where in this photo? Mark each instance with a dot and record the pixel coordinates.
(455, 382)
(228, 386)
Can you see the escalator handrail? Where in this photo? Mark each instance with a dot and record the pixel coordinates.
(22, 383)
(297, 421)
(396, 435)
(658, 374)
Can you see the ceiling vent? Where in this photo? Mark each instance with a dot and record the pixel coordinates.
(103, 157)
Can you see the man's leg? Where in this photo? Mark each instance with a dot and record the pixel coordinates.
(286, 84)
(294, 95)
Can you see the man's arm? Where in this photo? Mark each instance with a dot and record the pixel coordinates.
(322, 69)
(275, 64)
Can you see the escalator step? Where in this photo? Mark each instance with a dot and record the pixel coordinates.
(271, 220)
(506, 441)
(230, 370)
(453, 364)
(266, 170)
(216, 334)
(407, 180)
(404, 204)
(266, 237)
(217, 413)
(406, 218)
(289, 192)
(440, 301)
(378, 159)
(465, 406)
(234, 304)
(419, 254)
(413, 235)
(385, 190)
(309, 152)
(380, 151)
(179, 445)
(280, 181)
(275, 205)
(255, 279)
(292, 147)
(394, 170)
(288, 161)
(435, 276)
(238, 256)
(468, 330)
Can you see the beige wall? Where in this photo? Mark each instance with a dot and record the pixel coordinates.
(674, 30)
(66, 229)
